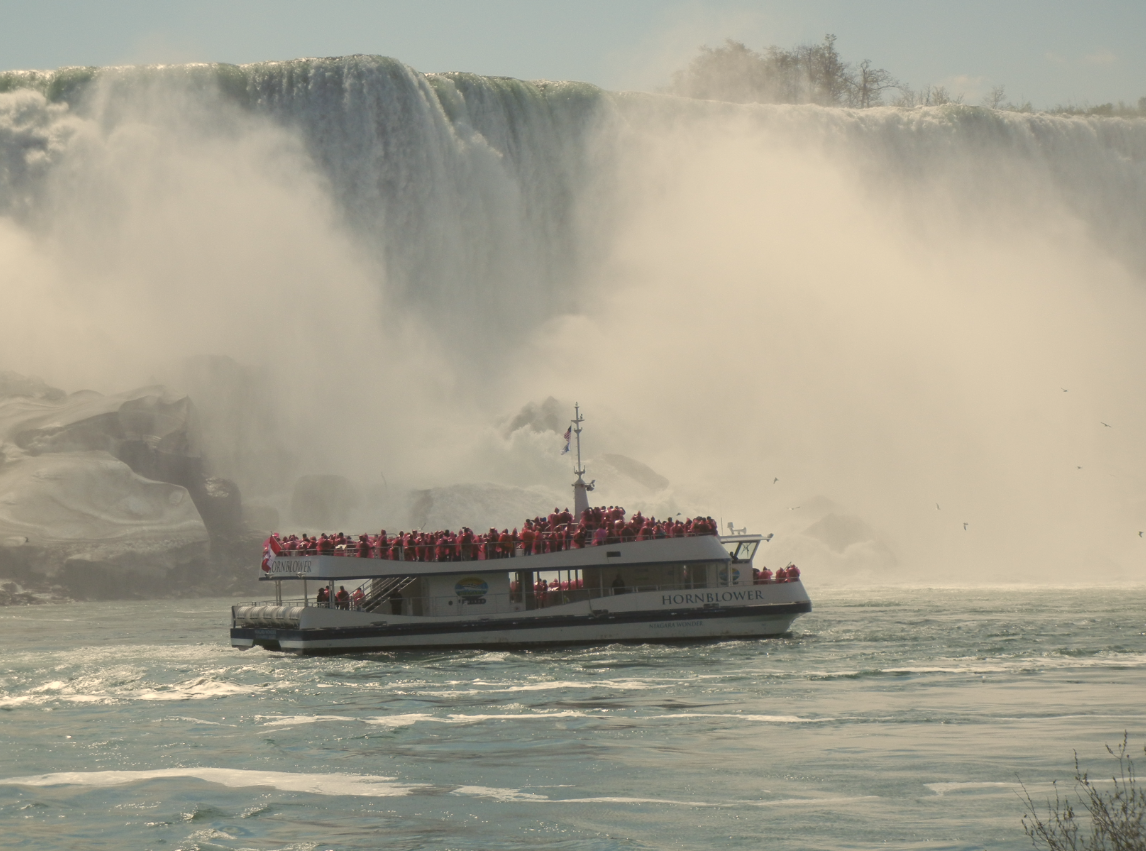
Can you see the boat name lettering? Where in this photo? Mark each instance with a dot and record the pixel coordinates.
(674, 624)
(713, 597)
(290, 565)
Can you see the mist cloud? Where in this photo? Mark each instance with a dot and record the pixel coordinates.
(879, 310)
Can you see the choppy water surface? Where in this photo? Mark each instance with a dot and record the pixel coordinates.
(889, 718)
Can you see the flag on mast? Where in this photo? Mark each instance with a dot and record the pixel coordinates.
(568, 437)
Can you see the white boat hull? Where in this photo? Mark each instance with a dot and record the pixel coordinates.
(650, 617)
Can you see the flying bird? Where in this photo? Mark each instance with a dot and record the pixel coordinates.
(793, 508)
(1108, 425)
(964, 527)
(775, 480)
(1064, 390)
(1139, 534)
(1080, 468)
(937, 508)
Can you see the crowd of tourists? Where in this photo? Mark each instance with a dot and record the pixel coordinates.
(762, 576)
(554, 533)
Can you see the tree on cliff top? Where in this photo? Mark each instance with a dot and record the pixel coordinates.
(809, 73)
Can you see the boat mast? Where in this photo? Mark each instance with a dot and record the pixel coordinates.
(580, 488)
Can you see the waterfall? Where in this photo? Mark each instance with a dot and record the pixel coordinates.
(482, 195)
(879, 305)
(464, 189)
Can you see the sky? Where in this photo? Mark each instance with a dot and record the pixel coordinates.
(1047, 52)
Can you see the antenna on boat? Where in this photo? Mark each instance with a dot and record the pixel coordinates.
(580, 488)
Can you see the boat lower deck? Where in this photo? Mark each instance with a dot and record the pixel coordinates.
(710, 622)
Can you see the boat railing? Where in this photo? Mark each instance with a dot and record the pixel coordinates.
(483, 551)
(388, 600)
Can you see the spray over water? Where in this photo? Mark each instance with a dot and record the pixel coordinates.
(892, 337)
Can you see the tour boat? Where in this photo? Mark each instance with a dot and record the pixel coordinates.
(685, 587)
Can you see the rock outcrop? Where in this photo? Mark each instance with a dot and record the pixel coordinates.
(108, 496)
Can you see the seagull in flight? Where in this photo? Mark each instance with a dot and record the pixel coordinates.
(793, 508)
(1139, 534)
(964, 527)
(937, 508)
(1108, 425)
(775, 480)
(1064, 390)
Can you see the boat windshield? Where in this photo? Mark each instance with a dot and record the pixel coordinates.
(741, 550)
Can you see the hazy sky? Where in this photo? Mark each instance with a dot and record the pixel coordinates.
(1045, 51)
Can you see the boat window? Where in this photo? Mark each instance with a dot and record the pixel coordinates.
(745, 550)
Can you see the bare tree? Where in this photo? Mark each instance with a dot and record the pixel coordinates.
(907, 98)
(810, 73)
(732, 73)
(868, 85)
(995, 98)
(827, 73)
(937, 96)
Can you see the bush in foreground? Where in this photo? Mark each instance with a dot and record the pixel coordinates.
(1111, 819)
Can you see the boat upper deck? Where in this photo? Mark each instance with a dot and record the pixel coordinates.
(683, 551)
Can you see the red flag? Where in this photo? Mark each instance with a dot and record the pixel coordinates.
(271, 548)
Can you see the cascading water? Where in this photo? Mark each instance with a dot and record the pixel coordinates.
(875, 308)
(463, 188)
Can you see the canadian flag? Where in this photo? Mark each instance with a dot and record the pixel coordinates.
(271, 548)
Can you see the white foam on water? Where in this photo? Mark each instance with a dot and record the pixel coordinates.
(55, 685)
(497, 688)
(626, 800)
(943, 788)
(715, 804)
(416, 717)
(295, 720)
(1095, 717)
(525, 716)
(209, 835)
(195, 720)
(500, 794)
(1018, 665)
(563, 685)
(399, 720)
(767, 719)
(197, 690)
(378, 787)
(316, 784)
(491, 656)
(813, 801)
(455, 718)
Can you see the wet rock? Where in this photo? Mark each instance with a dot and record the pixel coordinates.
(220, 505)
(106, 496)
